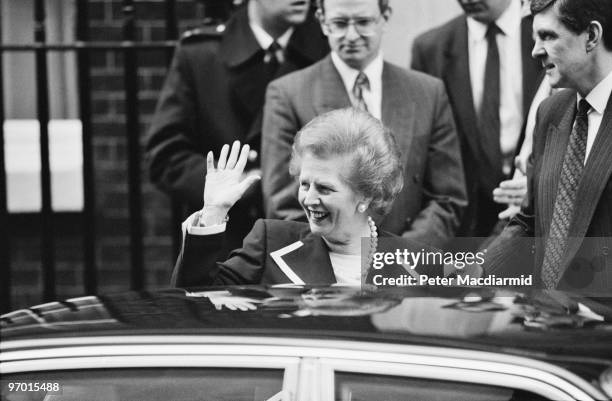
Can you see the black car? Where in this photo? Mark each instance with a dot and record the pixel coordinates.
(310, 343)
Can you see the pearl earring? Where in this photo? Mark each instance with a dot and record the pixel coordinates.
(361, 208)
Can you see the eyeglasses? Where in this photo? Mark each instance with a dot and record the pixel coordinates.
(338, 27)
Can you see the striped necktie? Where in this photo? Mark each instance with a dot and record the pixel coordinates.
(571, 175)
(361, 83)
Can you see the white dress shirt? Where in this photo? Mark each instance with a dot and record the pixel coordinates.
(511, 72)
(192, 226)
(264, 39)
(372, 97)
(598, 99)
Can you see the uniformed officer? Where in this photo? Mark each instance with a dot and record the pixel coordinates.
(214, 94)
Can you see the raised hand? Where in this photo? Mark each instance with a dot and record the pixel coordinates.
(225, 184)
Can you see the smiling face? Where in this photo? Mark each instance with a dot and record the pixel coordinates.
(562, 52)
(329, 202)
(354, 49)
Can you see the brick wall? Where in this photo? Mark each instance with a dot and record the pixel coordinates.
(110, 167)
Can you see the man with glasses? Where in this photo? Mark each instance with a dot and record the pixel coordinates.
(412, 105)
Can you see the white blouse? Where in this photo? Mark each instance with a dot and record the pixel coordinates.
(347, 268)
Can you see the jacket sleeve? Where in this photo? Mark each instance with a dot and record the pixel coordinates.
(444, 190)
(198, 262)
(280, 125)
(174, 155)
(512, 252)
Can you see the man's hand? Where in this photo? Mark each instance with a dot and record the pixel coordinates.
(512, 193)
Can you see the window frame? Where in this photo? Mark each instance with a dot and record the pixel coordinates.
(308, 363)
(537, 385)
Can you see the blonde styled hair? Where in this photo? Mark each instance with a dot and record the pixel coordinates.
(375, 169)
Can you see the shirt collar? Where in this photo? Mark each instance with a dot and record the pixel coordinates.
(373, 70)
(265, 40)
(599, 95)
(509, 22)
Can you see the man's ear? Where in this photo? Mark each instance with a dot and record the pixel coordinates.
(387, 14)
(321, 18)
(319, 15)
(594, 35)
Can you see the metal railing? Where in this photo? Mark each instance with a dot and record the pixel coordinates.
(83, 48)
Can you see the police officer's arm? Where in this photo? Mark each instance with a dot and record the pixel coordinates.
(512, 251)
(174, 159)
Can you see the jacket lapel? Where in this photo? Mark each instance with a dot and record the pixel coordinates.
(595, 177)
(243, 57)
(329, 92)
(306, 261)
(398, 109)
(552, 161)
(238, 44)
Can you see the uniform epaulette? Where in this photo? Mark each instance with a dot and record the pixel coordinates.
(202, 32)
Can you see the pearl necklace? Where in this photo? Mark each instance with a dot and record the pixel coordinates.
(373, 245)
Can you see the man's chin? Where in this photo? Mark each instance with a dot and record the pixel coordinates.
(296, 18)
(482, 17)
(555, 82)
(353, 59)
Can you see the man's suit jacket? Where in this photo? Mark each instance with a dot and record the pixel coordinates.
(414, 107)
(443, 53)
(587, 265)
(274, 252)
(213, 95)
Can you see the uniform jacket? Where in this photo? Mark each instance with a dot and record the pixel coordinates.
(443, 53)
(588, 261)
(414, 107)
(213, 95)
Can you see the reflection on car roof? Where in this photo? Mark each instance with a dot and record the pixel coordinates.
(536, 323)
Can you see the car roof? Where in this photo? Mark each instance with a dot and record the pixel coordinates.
(553, 326)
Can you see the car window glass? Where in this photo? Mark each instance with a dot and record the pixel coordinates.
(366, 387)
(177, 384)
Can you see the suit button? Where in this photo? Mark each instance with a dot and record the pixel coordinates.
(605, 251)
(253, 155)
(533, 249)
(409, 220)
(415, 179)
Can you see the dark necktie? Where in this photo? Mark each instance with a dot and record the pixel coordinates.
(361, 83)
(571, 174)
(488, 118)
(273, 57)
